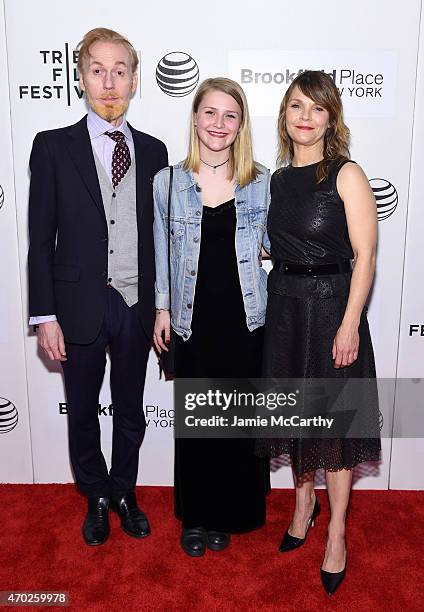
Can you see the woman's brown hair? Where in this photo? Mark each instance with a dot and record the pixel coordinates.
(319, 87)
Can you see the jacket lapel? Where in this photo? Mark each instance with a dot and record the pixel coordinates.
(142, 170)
(81, 153)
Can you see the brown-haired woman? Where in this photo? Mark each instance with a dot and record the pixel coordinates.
(322, 217)
(218, 300)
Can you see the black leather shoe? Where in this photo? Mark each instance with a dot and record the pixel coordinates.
(217, 540)
(289, 542)
(332, 580)
(193, 541)
(95, 529)
(133, 521)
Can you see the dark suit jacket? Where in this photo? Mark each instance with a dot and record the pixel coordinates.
(68, 231)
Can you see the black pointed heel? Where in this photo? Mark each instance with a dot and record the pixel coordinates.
(289, 542)
(332, 580)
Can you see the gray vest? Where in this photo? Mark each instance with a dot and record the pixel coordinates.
(121, 217)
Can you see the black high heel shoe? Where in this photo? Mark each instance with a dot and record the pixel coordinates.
(289, 542)
(332, 580)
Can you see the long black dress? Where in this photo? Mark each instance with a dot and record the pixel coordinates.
(307, 225)
(220, 484)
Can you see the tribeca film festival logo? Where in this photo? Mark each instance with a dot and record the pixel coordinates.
(63, 73)
(386, 197)
(155, 417)
(177, 74)
(416, 329)
(8, 416)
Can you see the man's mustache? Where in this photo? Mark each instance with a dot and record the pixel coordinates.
(110, 94)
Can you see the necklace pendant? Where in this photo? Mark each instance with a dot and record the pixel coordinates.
(215, 167)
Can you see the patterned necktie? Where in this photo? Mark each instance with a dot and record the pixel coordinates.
(121, 158)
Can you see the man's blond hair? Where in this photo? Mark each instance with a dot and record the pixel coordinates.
(103, 35)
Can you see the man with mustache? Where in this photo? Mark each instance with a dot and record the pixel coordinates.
(91, 273)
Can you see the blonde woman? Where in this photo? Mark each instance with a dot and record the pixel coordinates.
(218, 218)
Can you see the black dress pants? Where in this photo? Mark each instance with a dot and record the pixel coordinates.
(84, 370)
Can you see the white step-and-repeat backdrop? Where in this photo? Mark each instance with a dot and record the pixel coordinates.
(372, 52)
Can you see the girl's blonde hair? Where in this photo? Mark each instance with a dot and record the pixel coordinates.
(241, 165)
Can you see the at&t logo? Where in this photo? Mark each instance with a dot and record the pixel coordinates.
(1, 196)
(177, 74)
(386, 197)
(8, 416)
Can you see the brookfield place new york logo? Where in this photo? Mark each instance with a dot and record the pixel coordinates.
(8, 416)
(366, 80)
(177, 74)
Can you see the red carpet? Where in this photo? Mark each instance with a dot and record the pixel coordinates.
(41, 549)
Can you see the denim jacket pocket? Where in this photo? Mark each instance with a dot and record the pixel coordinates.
(178, 228)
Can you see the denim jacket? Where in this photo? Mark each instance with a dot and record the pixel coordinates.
(251, 202)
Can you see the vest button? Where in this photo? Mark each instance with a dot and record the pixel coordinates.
(189, 306)
(193, 272)
(113, 195)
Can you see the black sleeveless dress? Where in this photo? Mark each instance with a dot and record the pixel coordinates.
(307, 225)
(220, 484)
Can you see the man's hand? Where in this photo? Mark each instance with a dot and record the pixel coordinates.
(51, 340)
